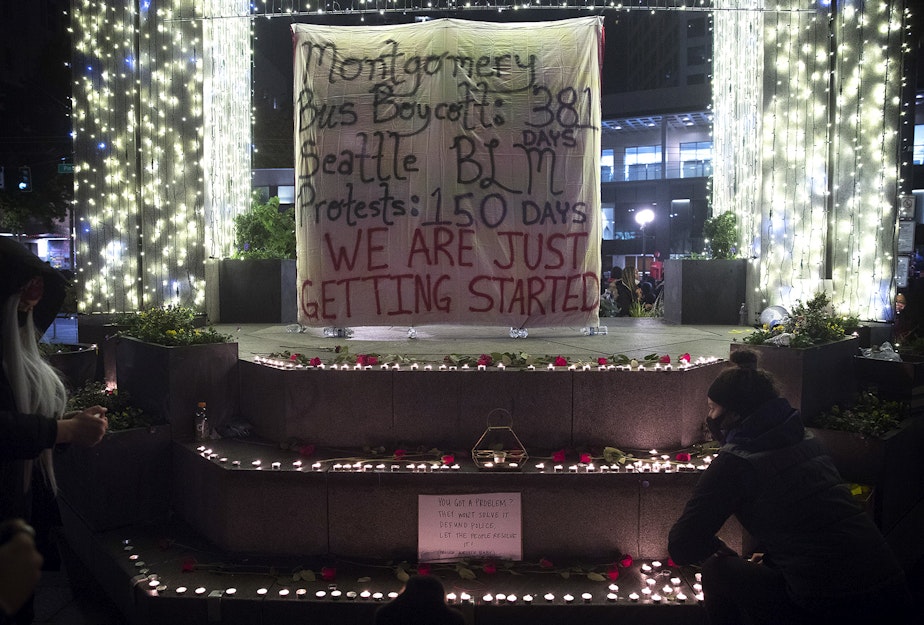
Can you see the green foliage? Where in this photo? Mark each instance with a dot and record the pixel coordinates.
(171, 326)
(120, 413)
(809, 324)
(869, 416)
(265, 231)
(722, 233)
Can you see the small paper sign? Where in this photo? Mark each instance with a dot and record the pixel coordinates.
(482, 525)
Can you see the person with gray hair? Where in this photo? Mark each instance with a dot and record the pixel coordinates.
(33, 397)
(818, 557)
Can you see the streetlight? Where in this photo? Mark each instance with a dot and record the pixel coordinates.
(643, 218)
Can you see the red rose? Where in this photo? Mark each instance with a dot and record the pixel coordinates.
(626, 561)
(315, 362)
(561, 361)
(293, 357)
(603, 361)
(423, 568)
(671, 563)
(361, 360)
(684, 357)
(489, 568)
(399, 454)
(665, 359)
(682, 457)
(545, 563)
(485, 360)
(558, 456)
(448, 459)
(189, 565)
(306, 450)
(586, 458)
(372, 360)
(328, 573)
(613, 573)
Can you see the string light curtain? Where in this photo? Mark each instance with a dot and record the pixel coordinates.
(155, 193)
(828, 107)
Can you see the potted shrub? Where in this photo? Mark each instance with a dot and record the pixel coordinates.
(168, 365)
(125, 478)
(874, 441)
(809, 354)
(708, 290)
(258, 284)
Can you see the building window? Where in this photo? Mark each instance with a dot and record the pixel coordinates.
(643, 162)
(607, 163)
(696, 159)
(918, 155)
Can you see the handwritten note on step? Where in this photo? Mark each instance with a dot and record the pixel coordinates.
(480, 525)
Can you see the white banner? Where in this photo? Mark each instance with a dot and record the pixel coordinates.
(448, 172)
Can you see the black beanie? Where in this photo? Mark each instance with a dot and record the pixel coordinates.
(743, 388)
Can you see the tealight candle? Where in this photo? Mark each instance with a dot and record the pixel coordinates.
(365, 594)
(651, 582)
(487, 598)
(377, 596)
(455, 467)
(276, 465)
(230, 591)
(320, 594)
(235, 463)
(656, 598)
(697, 587)
(351, 595)
(681, 597)
(527, 599)
(611, 597)
(392, 594)
(465, 597)
(316, 466)
(500, 367)
(540, 466)
(501, 597)
(700, 597)
(200, 590)
(549, 597)
(646, 569)
(301, 593)
(380, 467)
(666, 590)
(336, 594)
(568, 598)
(558, 468)
(614, 587)
(675, 581)
(587, 597)
(511, 598)
(656, 564)
(180, 590)
(451, 598)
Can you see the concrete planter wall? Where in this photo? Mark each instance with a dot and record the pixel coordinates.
(75, 363)
(171, 381)
(251, 290)
(704, 292)
(813, 378)
(550, 409)
(124, 479)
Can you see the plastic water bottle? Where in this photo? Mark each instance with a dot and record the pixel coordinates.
(203, 431)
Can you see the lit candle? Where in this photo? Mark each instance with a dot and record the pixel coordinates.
(675, 581)
(335, 594)
(200, 590)
(414, 366)
(377, 596)
(180, 590)
(558, 468)
(230, 591)
(487, 598)
(540, 466)
(277, 465)
(301, 593)
(365, 594)
(380, 467)
(455, 467)
(297, 465)
(256, 464)
(351, 595)
(527, 599)
(511, 598)
(568, 598)
(549, 597)
(500, 367)
(647, 592)
(392, 594)
(501, 597)
(320, 594)
(465, 597)
(482, 368)
(587, 597)
(656, 564)
(656, 598)
(646, 569)
(614, 587)
(667, 590)
(451, 598)
(681, 597)
(611, 597)
(316, 466)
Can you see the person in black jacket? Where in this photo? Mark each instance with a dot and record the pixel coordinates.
(421, 602)
(32, 396)
(819, 557)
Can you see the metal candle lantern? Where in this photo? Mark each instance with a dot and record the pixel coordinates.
(499, 449)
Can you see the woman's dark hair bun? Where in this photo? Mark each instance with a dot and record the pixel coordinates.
(744, 358)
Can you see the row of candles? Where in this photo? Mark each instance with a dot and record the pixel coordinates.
(670, 592)
(661, 465)
(634, 366)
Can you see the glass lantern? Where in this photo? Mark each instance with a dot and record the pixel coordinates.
(499, 449)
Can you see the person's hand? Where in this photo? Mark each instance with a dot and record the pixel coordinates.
(85, 428)
(20, 565)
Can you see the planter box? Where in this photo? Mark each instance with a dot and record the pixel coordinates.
(76, 364)
(704, 291)
(125, 479)
(813, 378)
(251, 290)
(171, 381)
(893, 380)
(892, 464)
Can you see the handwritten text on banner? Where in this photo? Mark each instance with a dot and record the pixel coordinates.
(447, 172)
